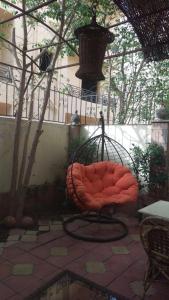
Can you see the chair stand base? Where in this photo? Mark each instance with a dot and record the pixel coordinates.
(95, 218)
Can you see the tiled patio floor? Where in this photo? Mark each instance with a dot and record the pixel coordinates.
(28, 260)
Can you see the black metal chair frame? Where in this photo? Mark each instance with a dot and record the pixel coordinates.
(99, 216)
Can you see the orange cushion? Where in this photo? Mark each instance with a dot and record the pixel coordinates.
(100, 184)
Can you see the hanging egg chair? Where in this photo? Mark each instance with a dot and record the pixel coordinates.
(101, 175)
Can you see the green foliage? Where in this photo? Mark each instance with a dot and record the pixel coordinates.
(86, 155)
(135, 86)
(77, 13)
(74, 145)
(150, 164)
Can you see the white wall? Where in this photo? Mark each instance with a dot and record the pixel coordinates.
(51, 153)
(53, 147)
(125, 134)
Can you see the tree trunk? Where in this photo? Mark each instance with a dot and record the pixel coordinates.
(26, 180)
(17, 135)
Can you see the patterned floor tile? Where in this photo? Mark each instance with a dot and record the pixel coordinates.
(43, 222)
(12, 252)
(135, 237)
(10, 243)
(16, 297)
(22, 269)
(5, 269)
(119, 265)
(13, 237)
(31, 232)
(19, 231)
(95, 267)
(43, 269)
(137, 287)
(44, 228)
(5, 292)
(59, 251)
(29, 238)
(120, 250)
(20, 283)
(56, 222)
(55, 227)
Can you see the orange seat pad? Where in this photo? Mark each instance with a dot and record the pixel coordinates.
(100, 184)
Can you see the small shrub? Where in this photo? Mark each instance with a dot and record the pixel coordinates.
(151, 167)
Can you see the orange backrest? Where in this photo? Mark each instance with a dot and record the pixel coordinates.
(100, 184)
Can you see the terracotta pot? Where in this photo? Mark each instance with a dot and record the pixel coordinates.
(162, 113)
(27, 222)
(10, 221)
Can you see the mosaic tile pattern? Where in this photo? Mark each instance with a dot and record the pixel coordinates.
(137, 287)
(22, 269)
(120, 250)
(13, 237)
(59, 251)
(30, 258)
(135, 237)
(95, 267)
(29, 238)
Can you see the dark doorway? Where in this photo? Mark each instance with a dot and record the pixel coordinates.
(89, 90)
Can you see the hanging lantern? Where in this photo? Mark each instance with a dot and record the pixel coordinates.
(93, 40)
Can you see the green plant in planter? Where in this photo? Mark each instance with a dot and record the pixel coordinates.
(163, 111)
(84, 156)
(151, 167)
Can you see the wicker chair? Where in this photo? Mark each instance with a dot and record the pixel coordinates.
(154, 233)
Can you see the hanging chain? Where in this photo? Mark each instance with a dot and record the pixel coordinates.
(94, 7)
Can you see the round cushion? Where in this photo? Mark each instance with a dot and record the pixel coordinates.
(99, 184)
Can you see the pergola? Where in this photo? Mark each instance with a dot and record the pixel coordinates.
(149, 21)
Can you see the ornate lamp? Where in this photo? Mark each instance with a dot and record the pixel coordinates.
(93, 40)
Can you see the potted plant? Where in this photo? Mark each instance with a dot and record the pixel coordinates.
(162, 112)
(150, 163)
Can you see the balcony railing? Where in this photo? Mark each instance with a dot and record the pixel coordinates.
(64, 102)
(5, 74)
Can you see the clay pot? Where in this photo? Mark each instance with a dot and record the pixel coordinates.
(10, 221)
(27, 222)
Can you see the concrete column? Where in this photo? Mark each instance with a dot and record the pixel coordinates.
(160, 136)
(74, 132)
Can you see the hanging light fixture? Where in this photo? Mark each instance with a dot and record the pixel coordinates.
(93, 40)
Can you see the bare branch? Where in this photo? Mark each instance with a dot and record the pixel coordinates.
(46, 25)
(13, 45)
(14, 48)
(26, 139)
(24, 12)
(17, 68)
(130, 94)
(41, 53)
(46, 98)
(17, 135)
(13, 78)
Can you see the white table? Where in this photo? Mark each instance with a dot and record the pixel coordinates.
(158, 209)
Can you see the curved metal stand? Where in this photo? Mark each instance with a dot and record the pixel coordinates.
(94, 218)
(98, 148)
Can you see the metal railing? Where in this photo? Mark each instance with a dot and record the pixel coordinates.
(5, 74)
(64, 102)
